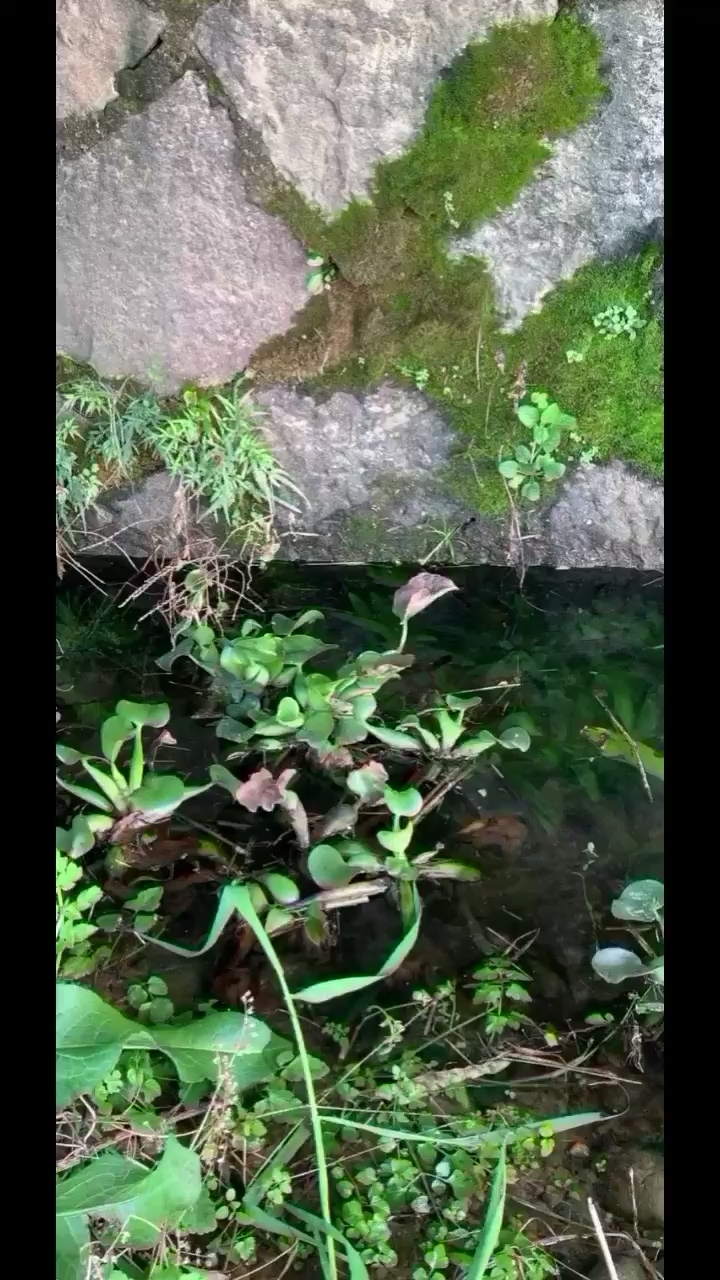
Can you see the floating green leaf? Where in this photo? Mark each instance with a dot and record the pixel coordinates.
(328, 868)
(640, 900)
(616, 964)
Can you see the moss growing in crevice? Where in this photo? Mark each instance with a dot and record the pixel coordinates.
(403, 308)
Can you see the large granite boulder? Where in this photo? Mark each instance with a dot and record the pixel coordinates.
(166, 270)
(94, 39)
(333, 89)
(601, 192)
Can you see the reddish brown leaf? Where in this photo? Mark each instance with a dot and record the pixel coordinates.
(418, 593)
(260, 791)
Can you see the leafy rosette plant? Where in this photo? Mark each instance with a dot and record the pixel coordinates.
(448, 738)
(134, 798)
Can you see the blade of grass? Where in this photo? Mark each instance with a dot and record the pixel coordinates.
(490, 1234)
(242, 903)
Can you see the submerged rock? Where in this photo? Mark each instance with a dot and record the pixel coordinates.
(601, 193)
(335, 88)
(94, 39)
(166, 271)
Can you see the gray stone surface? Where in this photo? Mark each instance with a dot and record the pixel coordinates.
(374, 469)
(635, 1187)
(165, 269)
(348, 451)
(606, 515)
(333, 88)
(602, 190)
(94, 39)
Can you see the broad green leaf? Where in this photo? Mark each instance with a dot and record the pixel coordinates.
(515, 738)
(475, 746)
(194, 1046)
(531, 491)
(277, 919)
(615, 964)
(159, 794)
(640, 900)
(289, 713)
(553, 470)
(71, 1239)
(141, 1202)
(492, 1226)
(328, 867)
(368, 781)
(222, 777)
(523, 454)
(550, 416)
(508, 468)
(394, 738)
(115, 731)
(153, 714)
(349, 731)
(89, 1038)
(282, 888)
(232, 731)
(528, 415)
(316, 728)
(319, 992)
(404, 804)
(396, 841)
(457, 703)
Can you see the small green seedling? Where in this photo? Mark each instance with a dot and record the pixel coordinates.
(321, 272)
(536, 461)
(642, 902)
(617, 319)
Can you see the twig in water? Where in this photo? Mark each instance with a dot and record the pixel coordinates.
(600, 1234)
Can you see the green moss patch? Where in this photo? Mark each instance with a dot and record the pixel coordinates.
(403, 308)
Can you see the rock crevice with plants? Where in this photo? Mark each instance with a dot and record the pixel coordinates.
(212, 231)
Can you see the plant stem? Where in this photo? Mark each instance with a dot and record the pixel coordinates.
(315, 1120)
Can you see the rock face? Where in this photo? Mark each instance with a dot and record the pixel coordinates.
(636, 1188)
(94, 39)
(335, 88)
(166, 271)
(346, 451)
(602, 190)
(374, 470)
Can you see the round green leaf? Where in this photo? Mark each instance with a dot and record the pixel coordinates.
(523, 454)
(288, 712)
(282, 888)
(317, 728)
(508, 468)
(277, 919)
(161, 793)
(530, 491)
(515, 738)
(155, 714)
(640, 900)
(114, 732)
(328, 867)
(616, 964)
(405, 804)
(528, 415)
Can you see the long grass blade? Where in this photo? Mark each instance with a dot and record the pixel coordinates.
(492, 1226)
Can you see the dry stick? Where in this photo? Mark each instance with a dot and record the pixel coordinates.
(631, 743)
(600, 1234)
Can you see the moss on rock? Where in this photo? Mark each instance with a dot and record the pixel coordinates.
(408, 310)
